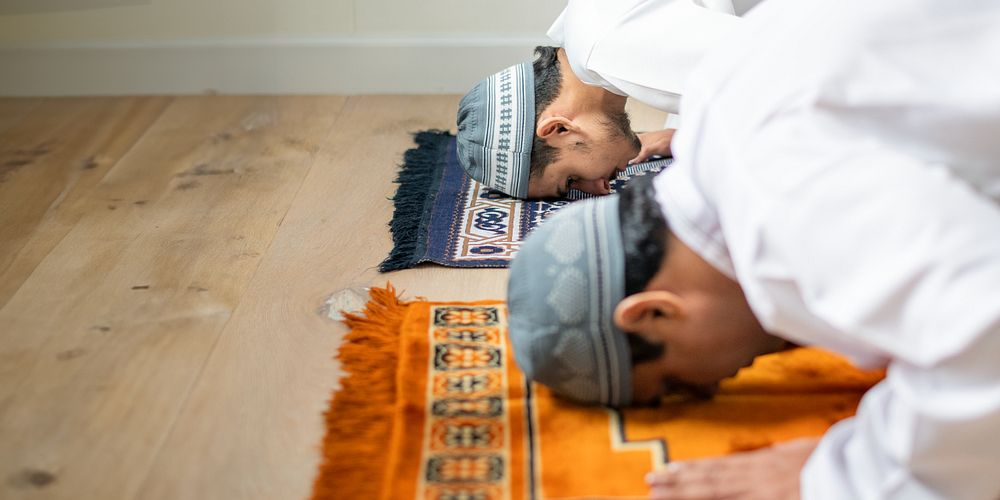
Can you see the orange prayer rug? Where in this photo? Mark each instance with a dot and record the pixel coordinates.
(435, 407)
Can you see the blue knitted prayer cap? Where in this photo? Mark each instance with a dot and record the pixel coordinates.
(496, 126)
(564, 285)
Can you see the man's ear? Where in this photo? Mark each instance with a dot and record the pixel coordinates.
(647, 313)
(553, 127)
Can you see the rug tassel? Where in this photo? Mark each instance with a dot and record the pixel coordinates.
(356, 448)
(418, 178)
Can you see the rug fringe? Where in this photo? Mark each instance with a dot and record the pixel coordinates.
(417, 179)
(359, 421)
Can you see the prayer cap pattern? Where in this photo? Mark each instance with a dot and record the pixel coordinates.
(496, 126)
(564, 285)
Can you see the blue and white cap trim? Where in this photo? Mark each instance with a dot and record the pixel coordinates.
(496, 127)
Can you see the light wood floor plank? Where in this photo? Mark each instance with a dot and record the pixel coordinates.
(102, 343)
(13, 109)
(50, 160)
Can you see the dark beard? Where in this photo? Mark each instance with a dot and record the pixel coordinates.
(618, 124)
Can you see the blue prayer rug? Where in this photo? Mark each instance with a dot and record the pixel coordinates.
(444, 217)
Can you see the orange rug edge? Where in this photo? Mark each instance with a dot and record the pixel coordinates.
(356, 447)
(359, 418)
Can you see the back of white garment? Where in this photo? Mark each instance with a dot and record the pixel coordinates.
(921, 76)
(841, 160)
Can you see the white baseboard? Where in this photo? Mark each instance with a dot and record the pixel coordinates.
(313, 66)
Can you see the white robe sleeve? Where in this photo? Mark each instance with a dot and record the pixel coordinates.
(655, 48)
(903, 258)
(651, 52)
(642, 49)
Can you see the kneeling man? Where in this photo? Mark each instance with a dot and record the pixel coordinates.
(541, 128)
(853, 204)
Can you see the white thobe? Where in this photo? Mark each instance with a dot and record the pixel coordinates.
(841, 161)
(643, 49)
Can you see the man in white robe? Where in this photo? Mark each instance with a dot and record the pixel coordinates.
(572, 130)
(836, 184)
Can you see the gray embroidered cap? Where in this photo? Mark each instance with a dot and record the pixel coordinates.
(564, 284)
(496, 126)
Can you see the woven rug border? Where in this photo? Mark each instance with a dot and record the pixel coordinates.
(419, 179)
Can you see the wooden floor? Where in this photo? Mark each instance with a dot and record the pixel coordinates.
(165, 268)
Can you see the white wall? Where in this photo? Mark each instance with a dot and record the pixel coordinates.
(59, 47)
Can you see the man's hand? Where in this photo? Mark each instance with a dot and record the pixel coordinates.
(654, 144)
(768, 474)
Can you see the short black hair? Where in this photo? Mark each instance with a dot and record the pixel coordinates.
(548, 84)
(644, 238)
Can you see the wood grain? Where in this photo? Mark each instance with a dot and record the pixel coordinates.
(103, 341)
(50, 161)
(12, 110)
